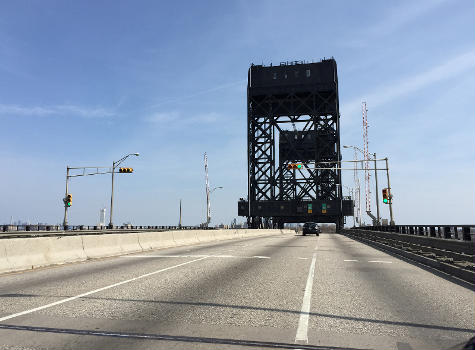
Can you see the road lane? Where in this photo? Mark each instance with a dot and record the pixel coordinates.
(248, 291)
(374, 298)
(25, 290)
(184, 296)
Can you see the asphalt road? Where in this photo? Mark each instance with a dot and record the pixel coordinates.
(282, 291)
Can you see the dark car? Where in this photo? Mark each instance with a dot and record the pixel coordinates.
(311, 228)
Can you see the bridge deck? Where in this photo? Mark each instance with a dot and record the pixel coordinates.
(247, 293)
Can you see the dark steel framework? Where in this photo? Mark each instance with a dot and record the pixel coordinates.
(296, 104)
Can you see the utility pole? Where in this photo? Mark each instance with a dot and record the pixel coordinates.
(65, 220)
(377, 192)
(179, 222)
(390, 195)
(208, 211)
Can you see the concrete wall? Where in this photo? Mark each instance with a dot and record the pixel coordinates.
(18, 254)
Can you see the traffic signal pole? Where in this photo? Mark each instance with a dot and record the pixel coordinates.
(111, 225)
(390, 199)
(65, 220)
(377, 193)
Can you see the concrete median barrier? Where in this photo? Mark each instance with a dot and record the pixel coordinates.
(17, 254)
(185, 237)
(156, 240)
(97, 246)
(23, 254)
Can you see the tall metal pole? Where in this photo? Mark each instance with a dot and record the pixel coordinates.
(208, 209)
(390, 199)
(111, 225)
(353, 198)
(377, 193)
(65, 220)
(179, 222)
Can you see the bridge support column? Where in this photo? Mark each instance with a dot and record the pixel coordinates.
(432, 231)
(446, 232)
(466, 233)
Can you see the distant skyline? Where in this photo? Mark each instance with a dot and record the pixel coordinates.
(84, 83)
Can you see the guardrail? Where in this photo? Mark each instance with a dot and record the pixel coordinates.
(461, 232)
(452, 256)
(39, 227)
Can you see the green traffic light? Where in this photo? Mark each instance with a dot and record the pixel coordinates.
(385, 200)
(299, 166)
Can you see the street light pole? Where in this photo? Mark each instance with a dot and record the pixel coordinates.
(377, 194)
(208, 219)
(114, 165)
(390, 198)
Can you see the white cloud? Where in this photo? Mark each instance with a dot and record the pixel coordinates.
(395, 18)
(392, 90)
(180, 118)
(56, 110)
(406, 12)
(179, 99)
(163, 117)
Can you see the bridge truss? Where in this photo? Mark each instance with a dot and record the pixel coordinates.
(293, 117)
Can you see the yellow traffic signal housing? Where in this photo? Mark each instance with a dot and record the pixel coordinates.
(386, 196)
(68, 200)
(294, 166)
(126, 170)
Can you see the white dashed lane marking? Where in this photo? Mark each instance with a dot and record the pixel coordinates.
(195, 256)
(370, 261)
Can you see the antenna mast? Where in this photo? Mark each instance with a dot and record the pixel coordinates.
(364, 110)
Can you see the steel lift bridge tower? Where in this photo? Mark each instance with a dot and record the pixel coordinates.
(293, 126)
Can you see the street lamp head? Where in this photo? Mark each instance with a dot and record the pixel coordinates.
(136, 154)
(346, 146)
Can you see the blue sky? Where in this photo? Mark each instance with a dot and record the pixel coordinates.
(84, 82)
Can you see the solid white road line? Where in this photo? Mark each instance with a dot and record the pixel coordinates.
(302, 328)
(95, 291)
(165, 256)
(349, 260)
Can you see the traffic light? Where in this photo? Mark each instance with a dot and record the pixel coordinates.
(294, 166)
(68, 200)
(386, 199)
(126, 170)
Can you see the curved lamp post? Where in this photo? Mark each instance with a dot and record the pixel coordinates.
(208, 219)
(114, 165)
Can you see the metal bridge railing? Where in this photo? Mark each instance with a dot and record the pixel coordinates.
(39, 227)
(459, 232)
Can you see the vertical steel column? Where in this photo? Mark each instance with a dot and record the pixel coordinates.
(111, 225)
(65, 220)
(390, 199)
(377, 193)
